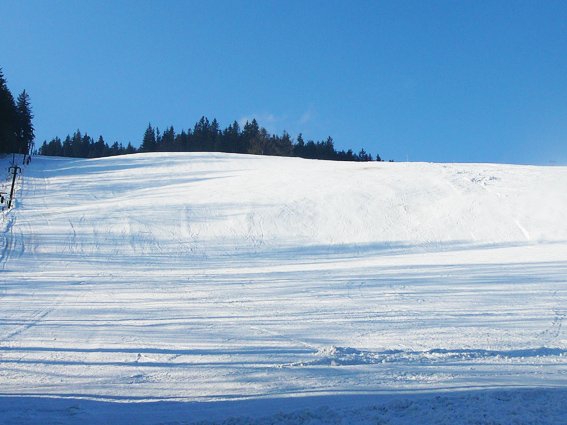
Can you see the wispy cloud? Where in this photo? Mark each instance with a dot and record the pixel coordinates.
(307, 116)
(276, 123)
(270, 121)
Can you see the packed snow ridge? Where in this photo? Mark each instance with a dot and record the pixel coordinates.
(218, 288)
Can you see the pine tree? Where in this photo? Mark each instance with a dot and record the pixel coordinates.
(25, 130)
(130, 149)
(67, 147)
(149, 140)
(8, 118)
(214, 143)
(363, 156)
(167, 140)
(231, 138)
(77, 148)
(96, 150)
(281, 146)
(250, 132)
(299, 147)
(201, 135)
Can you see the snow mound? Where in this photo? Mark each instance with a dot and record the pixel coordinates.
(348, 356)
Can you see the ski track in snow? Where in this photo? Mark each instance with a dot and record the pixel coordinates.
(214, 288)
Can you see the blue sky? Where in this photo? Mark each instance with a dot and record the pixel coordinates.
(444, 81)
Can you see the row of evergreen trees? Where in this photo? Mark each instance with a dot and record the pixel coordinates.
(17, 136)
(206, 136)
(83, 146)
(16, 127)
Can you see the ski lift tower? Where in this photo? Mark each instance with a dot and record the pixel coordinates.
(14, 169)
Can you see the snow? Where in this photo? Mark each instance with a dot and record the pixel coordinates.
(218, 288)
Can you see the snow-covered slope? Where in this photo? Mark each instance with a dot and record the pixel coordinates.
(251, 286)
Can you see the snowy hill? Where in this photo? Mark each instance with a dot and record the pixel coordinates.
(283, 290)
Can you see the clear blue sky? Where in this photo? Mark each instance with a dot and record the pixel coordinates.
(463, 81)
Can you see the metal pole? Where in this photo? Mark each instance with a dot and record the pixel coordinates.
(15, 170)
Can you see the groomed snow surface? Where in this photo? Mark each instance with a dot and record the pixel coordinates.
(217, 288)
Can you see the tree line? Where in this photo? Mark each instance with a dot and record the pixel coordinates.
(17, 136)
(207, 136)
(16, 127)
(83, 146)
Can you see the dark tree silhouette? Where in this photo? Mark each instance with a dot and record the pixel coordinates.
(25, 131)
(8, 118)
(207, 136)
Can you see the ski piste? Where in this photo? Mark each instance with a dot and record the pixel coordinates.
(219, 288)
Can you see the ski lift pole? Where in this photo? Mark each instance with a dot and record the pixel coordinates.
(14, 169)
